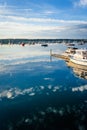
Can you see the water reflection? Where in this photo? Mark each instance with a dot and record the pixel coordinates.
(80, 71)
(63, 118)
(38, 94)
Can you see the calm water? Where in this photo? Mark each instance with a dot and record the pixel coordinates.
(39, 92)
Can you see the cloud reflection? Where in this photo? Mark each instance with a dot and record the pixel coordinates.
(32, 91)
(16, 54)
(81, 88)
(52, 117)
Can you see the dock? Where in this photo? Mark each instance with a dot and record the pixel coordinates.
(68, 62)
(64, 57)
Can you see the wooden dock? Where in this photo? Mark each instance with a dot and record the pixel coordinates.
(68, 62)
(64, 57)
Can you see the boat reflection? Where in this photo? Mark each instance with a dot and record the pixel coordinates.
(80, 71)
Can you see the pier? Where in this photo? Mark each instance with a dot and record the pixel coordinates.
(68, 62)
(65, 57)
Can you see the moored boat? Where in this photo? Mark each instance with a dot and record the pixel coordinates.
(80, 57)
(71, 50)
(44, 44)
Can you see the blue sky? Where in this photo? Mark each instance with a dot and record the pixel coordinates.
(43, 19)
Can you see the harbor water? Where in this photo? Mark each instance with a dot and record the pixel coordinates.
(38, 91)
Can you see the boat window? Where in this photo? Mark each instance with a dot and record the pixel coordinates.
(79, 53)
(84, 53)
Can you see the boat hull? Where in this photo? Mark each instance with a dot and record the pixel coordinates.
(80, 62)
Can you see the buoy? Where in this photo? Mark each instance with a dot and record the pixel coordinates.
(23, 44)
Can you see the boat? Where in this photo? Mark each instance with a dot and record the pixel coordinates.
(71, 50)
(80, 57)
(23, 44)
(44, 44)
(70, 44)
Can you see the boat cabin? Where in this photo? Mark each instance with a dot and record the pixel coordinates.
(71, 50)
(81, 53)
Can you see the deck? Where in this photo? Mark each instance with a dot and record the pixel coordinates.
(65, 57)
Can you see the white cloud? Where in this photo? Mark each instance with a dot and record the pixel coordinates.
(20, 25)
(81, 3)
(15, 29)
(40, 20)
(47, 12)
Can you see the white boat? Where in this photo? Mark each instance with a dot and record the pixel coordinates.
(71, 50)
(80, 57)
